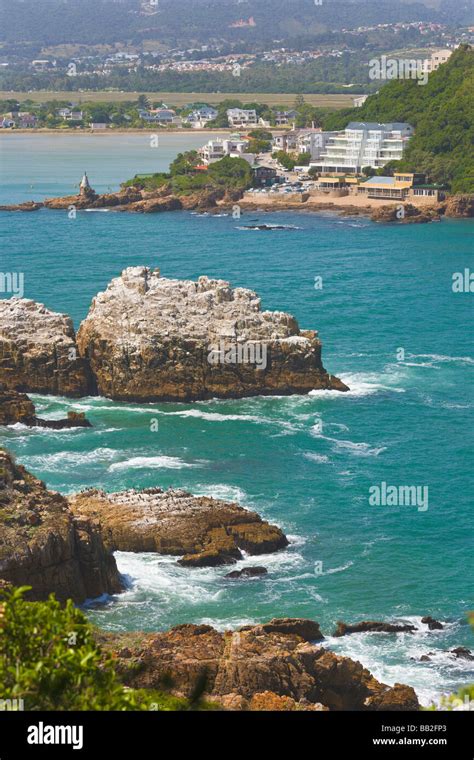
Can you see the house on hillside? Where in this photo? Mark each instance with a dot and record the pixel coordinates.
(242, 118)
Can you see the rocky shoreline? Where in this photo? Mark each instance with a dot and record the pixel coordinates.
(149, 338)
(275, 666)
(136, 200)
(64, 545)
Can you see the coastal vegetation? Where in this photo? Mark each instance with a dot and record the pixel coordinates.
(442, 112)
(50, 660)
(186, 175)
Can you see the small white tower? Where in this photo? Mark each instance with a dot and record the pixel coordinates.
(85, 187)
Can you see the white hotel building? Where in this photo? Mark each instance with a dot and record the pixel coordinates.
(363, 144)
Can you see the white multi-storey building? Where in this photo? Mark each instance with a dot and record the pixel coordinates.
(364, 144)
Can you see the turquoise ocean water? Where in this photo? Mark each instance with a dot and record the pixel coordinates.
(303, 462)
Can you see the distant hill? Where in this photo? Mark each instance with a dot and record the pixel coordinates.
(442, 111)
(184, 22)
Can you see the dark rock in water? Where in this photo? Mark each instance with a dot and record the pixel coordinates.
(18, 407)
(43, 545)
(462, 653)
(372, 626)
(26, 206)
(425, 658)
(74, 419)
(269, 227)
(253, 668)
(433, 625)
(15, 407)
(247, 572)
(307, 629)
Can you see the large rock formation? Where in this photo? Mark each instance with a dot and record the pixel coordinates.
(38, 350)
(44, 546)
(206, 531)
(152, 338)
(236, 668)
(458, 206)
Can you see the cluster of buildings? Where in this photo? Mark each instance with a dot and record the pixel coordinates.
(18, 119)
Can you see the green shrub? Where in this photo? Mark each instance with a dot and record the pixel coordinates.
(49, 659)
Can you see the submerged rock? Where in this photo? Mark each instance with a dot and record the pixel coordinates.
(248, 572)
(44, 546)
(38, 350)
(238, 667)
(368, 626)
(152, 338)
(208, 532)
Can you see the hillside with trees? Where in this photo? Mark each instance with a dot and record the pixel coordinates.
(442, 112)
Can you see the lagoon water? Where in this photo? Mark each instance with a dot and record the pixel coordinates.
(304, 462)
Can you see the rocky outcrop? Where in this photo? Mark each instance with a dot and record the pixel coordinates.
(462, 653)
(372, 626)
(411, 214)
(38, 351)
(433, 625)
(458, 206)
(152, 338)
(44, 546)
(18, 407)
(204, 532)
(26, 206)
(237, 668)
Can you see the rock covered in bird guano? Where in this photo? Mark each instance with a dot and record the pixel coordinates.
(203, 531)
(234, 667)
(152, 338)
(38, 352)
(44, 546)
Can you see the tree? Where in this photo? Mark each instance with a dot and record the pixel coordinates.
(143, 102)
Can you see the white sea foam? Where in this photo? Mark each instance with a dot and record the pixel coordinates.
(316, 457)
(158, 462)
(396, 658)
(442, 358)
(62, 459)
(361, 384)
(221, 491)
(214, 416)
(339, 569)
(359, 449)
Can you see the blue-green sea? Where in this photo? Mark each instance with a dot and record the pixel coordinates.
(392, 329)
